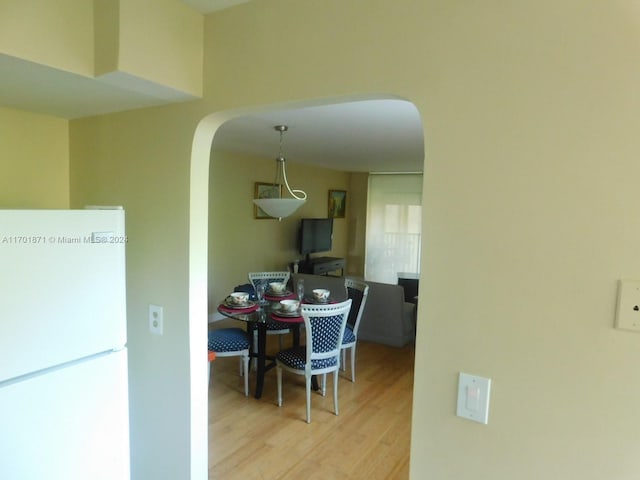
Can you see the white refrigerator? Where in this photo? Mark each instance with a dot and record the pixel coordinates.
(63, 356)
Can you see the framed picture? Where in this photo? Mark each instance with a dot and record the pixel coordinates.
(337, 203)
(265, 190)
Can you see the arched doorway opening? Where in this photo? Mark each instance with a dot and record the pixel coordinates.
(198, 258)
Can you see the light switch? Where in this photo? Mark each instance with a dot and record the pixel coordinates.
(628, 308)
(473, 397)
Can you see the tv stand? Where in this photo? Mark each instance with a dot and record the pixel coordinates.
(321, 265)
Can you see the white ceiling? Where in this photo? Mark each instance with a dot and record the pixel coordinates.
(363, 136)
(42, 89)
(371, 135)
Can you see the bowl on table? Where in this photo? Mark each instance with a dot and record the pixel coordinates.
(239, 298)
(320, 295)
(289, 306)
(277, 287)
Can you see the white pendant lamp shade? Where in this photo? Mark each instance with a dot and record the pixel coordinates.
(281, 207)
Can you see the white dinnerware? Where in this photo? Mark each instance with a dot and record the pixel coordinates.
(277, 287)
(320, 295)
(239, 298)
(229, 304)
(289, 306)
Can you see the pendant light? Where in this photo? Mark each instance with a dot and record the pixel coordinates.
(281, 207)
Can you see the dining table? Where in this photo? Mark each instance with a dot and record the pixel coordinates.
(257, 316)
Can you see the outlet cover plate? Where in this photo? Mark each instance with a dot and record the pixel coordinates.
(155, 319)
(628, 307)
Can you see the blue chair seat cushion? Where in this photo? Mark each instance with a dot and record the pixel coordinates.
(228, 340)
(348, 337)
(296, 358)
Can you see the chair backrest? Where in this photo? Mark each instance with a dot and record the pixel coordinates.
(267, 277)
(357, 292)
(325, 326)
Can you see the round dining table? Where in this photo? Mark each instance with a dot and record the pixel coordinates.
(258, 317)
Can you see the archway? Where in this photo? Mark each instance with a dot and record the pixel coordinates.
(198, 262)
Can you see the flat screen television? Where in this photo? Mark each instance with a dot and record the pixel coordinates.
(315, 235)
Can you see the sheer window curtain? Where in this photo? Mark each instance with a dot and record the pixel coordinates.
(394, 226)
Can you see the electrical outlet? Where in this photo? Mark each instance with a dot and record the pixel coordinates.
(155, 319)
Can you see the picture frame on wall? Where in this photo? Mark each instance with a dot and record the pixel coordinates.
(337, 203)
(265, 190)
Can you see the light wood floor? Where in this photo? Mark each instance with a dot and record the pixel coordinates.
(254, 439)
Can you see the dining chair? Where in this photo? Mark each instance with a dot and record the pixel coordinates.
(265, 278)
(357, 291)
(325, 325)
(232, 342)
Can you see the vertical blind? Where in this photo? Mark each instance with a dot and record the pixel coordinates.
(394, 226)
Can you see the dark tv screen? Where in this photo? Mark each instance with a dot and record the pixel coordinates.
(316, 235)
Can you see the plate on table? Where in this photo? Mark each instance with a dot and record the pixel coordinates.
(281, 313)
(286, 293)
(313, 301)
(249, 304)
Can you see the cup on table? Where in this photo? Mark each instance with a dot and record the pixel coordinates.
(289, 306)
(320, 295)
(239, 298)
(277, 287)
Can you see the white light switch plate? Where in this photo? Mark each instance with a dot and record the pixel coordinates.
(473, 398)
(628, 308)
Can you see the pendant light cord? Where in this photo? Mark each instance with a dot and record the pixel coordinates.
(281, 173)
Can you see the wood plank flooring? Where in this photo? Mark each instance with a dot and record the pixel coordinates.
(369, 439)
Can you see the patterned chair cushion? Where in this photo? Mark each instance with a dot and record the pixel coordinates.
(348, 337)
(228, 340)
(296, 358)
(326, 332)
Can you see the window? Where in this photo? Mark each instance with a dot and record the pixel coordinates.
(394, 226)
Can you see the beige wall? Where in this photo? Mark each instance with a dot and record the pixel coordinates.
(162, 44)
(154, 47)
(140, 160)
(530, 112)
(529, 117)
(239, 243)
(58, 34)
(34, 170)
(531, 126)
